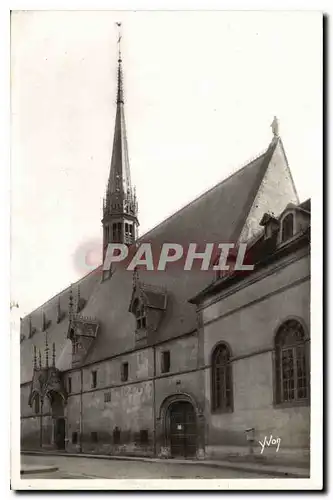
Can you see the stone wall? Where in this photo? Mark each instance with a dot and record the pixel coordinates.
(129, 417)
(247, 321)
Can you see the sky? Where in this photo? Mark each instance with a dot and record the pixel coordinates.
(201, 90)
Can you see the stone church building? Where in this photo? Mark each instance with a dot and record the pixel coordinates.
(180, 363)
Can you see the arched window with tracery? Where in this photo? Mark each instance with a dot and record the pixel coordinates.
(291, 363)
(287, 229)
(221, 379)
(140, 315)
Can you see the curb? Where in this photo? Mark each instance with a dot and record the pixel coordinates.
(222, 465)
(39, 471)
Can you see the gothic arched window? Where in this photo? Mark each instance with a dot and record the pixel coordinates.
(287, 228)
(140, 315)
(291, 363)
(221, 379)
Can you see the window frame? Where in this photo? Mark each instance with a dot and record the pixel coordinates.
(278, 378)
(283, 219)
(140, 315)
(227, 380)
(107, 397)
(93, 379)
(165, 355)
(124, 374)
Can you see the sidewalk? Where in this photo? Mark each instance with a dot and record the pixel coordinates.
(36, 469)
(272, 469)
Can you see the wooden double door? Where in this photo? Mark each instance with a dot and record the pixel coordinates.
(183, 430)
(59, 434)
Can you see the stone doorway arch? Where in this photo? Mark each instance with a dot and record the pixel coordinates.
(180, 428)
(58, 422)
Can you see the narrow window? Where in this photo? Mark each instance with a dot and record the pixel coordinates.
(140, 315)
(74, 437)
(119, 235)
(106, 234)
(94, 437)
(116, 435)
(291, 363)
(124, 372)
(93, 379)
(221, 379)
(114, 232)
(287, 227)
(107, 397)
(69, 385)
(165, 362)
(37, 410)
(143, 436)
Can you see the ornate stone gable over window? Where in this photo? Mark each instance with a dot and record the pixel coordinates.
(47, 381)
(148, 304)
(82, 330)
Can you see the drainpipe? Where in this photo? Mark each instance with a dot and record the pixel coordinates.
(81, 389)
(154, 399)
(41, 424)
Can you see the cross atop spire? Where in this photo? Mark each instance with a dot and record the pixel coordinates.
(120, 90)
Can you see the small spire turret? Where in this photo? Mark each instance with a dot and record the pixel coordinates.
(70, 303)
(53, 354)
(46, 352)
(35, 357)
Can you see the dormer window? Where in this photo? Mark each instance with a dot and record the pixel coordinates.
(287, 227)
(147, 305)
(140, 315)
(270, 224)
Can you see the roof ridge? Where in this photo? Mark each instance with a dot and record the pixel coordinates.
(244, 165)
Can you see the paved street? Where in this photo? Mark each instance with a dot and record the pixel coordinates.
(81, 468)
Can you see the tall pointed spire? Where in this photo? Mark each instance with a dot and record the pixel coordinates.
(120, 205)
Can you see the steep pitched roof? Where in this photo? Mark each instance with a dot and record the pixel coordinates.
(263, 251)
(57, 331)
(216, 216)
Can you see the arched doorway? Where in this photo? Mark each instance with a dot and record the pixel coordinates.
(59, 423)
(182, 429)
